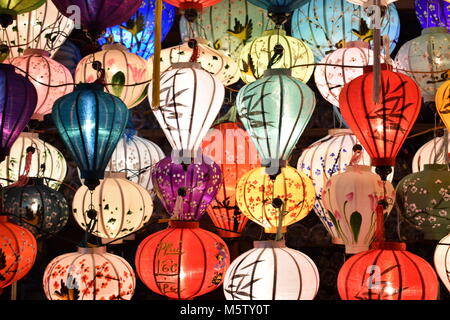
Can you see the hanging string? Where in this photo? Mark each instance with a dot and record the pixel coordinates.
(193, 44)
(157, 55)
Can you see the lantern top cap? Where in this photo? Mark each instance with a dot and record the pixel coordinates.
(111, 174)
(357, 44)
(270, 244)
(278, 71)
(181, 65)
(184, 224)
(332, 132)
(436, 166)
(89, 86)
(92, 250)
(40, 52)
(384, 66)
(435, 30)
(199, 40)
(31, 135)
(3, 218)
(274, 32)
(358, 167)
(381, 245)
(114, 46)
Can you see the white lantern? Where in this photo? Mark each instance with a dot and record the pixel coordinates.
(190, 99)
(271, 271)
(121, 68)
(122, 206)
(47, 161)
(89, 274)
(431, 152)
(442, 260)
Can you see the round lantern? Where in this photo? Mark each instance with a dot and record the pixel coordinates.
(424, 200)
(182, 261)
(428, 59)
(91, 123)
(137, 33)
(122, 69)
(442, 260)
(433, 13)
(18, 100)
(271, 271)
(231, 148)
(18, 250)
(431, 152)
(186, 190)
(54, 78)
(289, 197)
(256, 56)
(190, 99)
(121, 206)
(327, 25)
(47, 161)
(89, 274)
(11, 8)
(275, 110)
(387, 272)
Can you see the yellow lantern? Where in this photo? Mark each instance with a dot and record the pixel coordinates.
(442, 100)
(262, 197)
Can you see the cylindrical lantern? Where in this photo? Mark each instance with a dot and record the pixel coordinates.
(275, 110)
(53, 79)
(186, 190)
(291, 195)
(9, 9)
(18, 250)
(137, 33)
(442, 260)
(428, 59)
(271, 271)
(232, 149)
(327, 25)
(387, 272)
(433, 13)
(122, 70)
(431, 152)
(89, 274)
(91, 123)
(190, 99)
(256, 56)
(424, 200)
(183, 261)
(121, 206)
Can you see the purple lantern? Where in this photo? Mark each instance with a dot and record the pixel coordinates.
(433, 13)
(186, 190)
(18, 99)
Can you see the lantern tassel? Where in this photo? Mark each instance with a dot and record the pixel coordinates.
(379, 232)
(157, 55)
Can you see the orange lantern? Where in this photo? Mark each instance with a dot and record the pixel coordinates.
(232, 149)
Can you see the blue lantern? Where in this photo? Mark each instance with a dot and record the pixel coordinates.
(433, 13)
(278, 6)
(91, 123)
(137, 34)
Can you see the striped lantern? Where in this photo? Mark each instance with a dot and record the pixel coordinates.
(442, 260)
(431, 152)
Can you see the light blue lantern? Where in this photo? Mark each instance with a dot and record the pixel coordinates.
(433, 13)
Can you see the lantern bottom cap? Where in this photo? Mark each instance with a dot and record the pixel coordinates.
(354, 248)
(336, 240)
(227, 233)
(274, 230)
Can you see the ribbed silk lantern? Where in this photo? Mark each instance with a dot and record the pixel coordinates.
(183, 261)
(434, 151)
(442, 260)
(442, 100)
(9, 9)
(433, 13)
(198, 5)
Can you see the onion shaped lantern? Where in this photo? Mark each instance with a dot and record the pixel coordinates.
(387, 272)
(91, 123)
(53, 79)
(270, 201)
(186, 190)
(232, 149)
(11, 8)
(271, 271)
(121, 207)
(183, 261)
(432, 13)
(442, 260)
(431, 152)
(89, 274)
(275, 110)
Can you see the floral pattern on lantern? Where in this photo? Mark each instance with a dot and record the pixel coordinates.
(433, 13)
(442, 260)
(15, 7)
(431, 152)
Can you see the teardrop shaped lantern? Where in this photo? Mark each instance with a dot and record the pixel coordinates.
(11, 8)
(431, 152)
(442, 100)
(91, 123)
(442, 260)
(432, 13)
(275, 110)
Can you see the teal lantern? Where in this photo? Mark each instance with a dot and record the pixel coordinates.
(275, 110)
(91, 123)
(424, 200)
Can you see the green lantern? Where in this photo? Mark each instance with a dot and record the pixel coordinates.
(424, 200)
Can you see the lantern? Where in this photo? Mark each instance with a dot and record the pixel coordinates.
(442, 100)
(271, 271)
(426, 59)
(286, 199)
(137, 33)
(197, 5)
(18, 99)
(11, 8)
(424, 200)
(182, 261)
(431, 152)
(256, 56)
(442, 260)
(18, 251)
(36, 207)
(231, 148)
(91, 123)
(122, 70)
(432, 13)
(381, 127)
(47, 161)
(327, 26)
(190, 99)
(43, 28)
(121, 206)
(89, 274)
(186, 190)
(69, 54)
(275, 110)
(387, 272)
(53, 79)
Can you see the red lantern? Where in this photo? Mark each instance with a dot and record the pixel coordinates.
(198, 5)
(183, 261)
(232, 149)
(387, 272)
